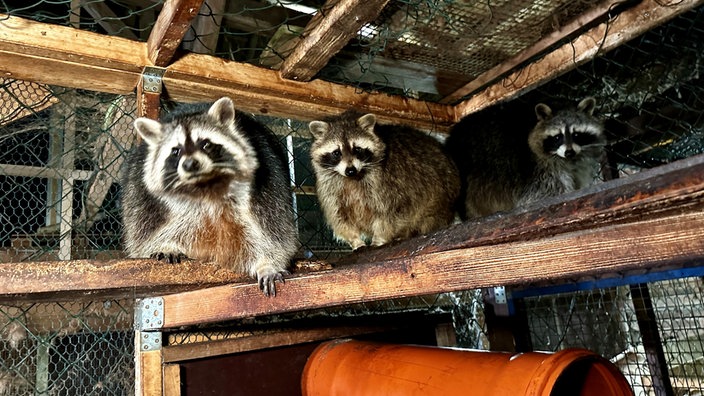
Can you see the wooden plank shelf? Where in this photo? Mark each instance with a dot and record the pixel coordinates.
(647, 221)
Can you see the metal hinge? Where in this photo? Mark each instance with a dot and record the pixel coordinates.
(152, 77)
(149, 314)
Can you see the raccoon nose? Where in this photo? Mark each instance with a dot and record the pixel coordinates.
(350, 171)
(190, 165)
(569, 153)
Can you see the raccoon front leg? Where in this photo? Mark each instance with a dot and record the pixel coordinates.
(171, 258)
(267, 277)
(351, 235)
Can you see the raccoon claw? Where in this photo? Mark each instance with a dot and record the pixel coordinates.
(267, 282)
(171, 258)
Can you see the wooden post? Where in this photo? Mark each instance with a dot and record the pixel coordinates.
(172, 380)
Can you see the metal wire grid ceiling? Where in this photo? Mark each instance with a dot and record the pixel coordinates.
(67, 349)
(608, 321)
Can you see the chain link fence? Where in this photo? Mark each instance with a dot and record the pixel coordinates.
(62, 153)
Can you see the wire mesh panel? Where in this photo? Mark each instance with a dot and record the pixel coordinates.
(67, 349)
(62, 152)
(615, 322)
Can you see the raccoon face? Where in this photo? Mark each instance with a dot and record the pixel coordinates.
(568, 133)
(346, 147)
(198, 153)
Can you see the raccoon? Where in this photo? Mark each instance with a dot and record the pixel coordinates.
(499, 171)
(381, 182)
(208, 182)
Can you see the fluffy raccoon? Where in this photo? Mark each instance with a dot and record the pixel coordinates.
(210, 183)
(500, 171)
(381, 182)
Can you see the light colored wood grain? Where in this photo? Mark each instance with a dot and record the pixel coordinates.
(326, 34)
(68, 57)
(148, 371)
(196, 77)
(596, 41)
(172, 380)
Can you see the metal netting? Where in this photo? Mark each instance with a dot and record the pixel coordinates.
(628, 325)
(67, 349)
(61, 154)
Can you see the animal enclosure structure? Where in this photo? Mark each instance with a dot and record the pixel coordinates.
(616, 268)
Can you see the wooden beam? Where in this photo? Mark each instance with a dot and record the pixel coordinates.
(196, 77)
(170, 27)
(203, 38)
(655, 220)
(68, 57)
(190, 351)
(76, 59)
(148, 370)
(172, 380)
(589, 17)
(596, 41)
(90, 279)
(639, 245)
(327, 32)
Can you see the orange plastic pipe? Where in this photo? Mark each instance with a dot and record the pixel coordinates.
(347, 367)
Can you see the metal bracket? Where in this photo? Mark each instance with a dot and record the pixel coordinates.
(149, 341)
(500, 295)
(151, 79)
(149, 314)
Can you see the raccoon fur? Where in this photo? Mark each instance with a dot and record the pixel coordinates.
(381, 182)
(504, 163)
(208, 182)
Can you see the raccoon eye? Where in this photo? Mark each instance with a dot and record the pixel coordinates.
(206, 146)
(337, 153)
(356, 150)
(175, 152)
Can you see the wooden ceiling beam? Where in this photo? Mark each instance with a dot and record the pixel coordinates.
(74, 58)
(64, 56)
(196, 77)
(171, 26)
(589, 17)
(596, 41)
(326, 34)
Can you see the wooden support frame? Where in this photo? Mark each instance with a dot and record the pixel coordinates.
(326, 34)
(594, 42)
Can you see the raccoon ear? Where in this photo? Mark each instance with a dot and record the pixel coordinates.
(223, 110)
(367, 122)
(148, 129)
(318, 128)
(543, 111)
(587, 105)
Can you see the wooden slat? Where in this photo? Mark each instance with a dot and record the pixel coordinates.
(73, 58)
(638, 245)
(148, 371)
(179, 353)
(64, 56)
(543, 44)
(596, 41)
(170, 27)
(327, 32)
(172, 380)
(89, 279)
(196, 77)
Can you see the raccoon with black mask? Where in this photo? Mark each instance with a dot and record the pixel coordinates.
(504, 163)
(381, 182)
(208, 182)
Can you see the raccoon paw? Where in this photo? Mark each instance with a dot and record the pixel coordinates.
(267, 281)
(171, 258)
